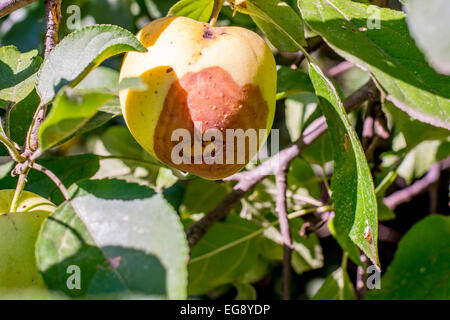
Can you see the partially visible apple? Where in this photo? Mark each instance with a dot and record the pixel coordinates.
(18, 234)
(219, 77)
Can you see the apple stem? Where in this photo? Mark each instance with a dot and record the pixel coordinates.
(218, 4)
(19, 189)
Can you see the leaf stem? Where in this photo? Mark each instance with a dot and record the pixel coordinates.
(8, 119)
(8, 6)
(325, 180)
(218, 4)
(13, 152)
(19, 190)
(54, 178)
(343, 271)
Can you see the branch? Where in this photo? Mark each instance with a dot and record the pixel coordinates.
(54, 178)
(8, 6)
(52, 18)
(281, 209)
(19, 190)
(314, 44)
(247, 179)
(218, 4)
(361, 278)
(418, 187)
(339, 68)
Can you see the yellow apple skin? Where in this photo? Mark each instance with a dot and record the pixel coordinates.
(18, 233)
(222, 77)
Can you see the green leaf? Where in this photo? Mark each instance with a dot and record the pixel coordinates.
(383, 182)
(71, 110)
(245, 291)
(127, 240)
(199, 10)
(413, 131)
(104, 114)
(79, 53)
(417, 162)
(337, 286)
(119, 142)
(421, 267)
(202, 196)
(320, 150)
(101, 79)
(69, 170)
(279, 22)
(301, 175)
(299, 109)
(429, 25)
(388, 52)
(384, 213)
(257, 272)
(20, 118)
(17, 73)
(290, 82)
(352, 185)
(228, 250)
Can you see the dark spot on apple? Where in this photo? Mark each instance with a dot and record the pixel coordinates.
(208, 34)
(169, 70)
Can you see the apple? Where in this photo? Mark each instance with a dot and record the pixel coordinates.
(18, 234)
(209, 82)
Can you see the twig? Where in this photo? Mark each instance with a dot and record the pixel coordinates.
(52, 17)
(8, 6)
(314, 44)
(326, 185)
(388, 234)
(54, 178)
(371, 148)
(361, 278)
(247, 179)
(343, 273)
(339, 68)
(418, 187)
(368, 128)
(19, 190)
(280, 178)
(433, 194)
(32, 142)
(218, 4)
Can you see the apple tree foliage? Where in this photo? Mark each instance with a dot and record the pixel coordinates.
(124, 224)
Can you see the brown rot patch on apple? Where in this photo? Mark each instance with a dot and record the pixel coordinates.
(211, 97)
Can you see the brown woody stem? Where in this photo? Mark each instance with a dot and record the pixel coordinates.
(8, 6)
(218, 4)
